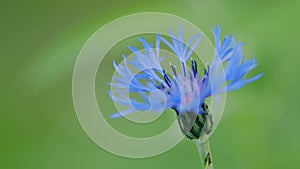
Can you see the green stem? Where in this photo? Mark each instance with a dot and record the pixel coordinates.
(205, 154)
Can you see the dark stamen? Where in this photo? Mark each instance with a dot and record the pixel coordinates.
(183, 69)
(174, 70)
(194, 67)
(167, 79)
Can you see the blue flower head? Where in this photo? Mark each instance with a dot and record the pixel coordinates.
(184, 91)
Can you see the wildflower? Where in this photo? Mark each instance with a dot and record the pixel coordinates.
(184, 91)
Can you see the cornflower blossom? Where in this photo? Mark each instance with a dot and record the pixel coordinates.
(185, 90)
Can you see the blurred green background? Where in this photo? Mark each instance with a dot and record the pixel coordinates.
(40, 42)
